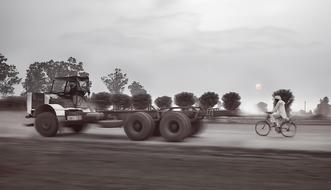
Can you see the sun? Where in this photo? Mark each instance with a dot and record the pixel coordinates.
(258, 86)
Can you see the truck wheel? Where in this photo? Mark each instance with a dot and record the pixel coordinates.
(46, 124)
(197, 128)
(78, 128)
(175, 126)
(139, 126)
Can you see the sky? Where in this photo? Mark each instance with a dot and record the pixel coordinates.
(171, 46)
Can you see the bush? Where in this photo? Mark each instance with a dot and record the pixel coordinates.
(184, 99)
(287, 97)
(141, 101)
(231, 101)
(208, 100)
(323, 108)
(101, 100)
(163, 102)
(262, 106)
(13, 103)
(121, 101)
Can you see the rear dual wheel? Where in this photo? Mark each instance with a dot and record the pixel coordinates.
(139, 126)
(175, 126)
(196, 128)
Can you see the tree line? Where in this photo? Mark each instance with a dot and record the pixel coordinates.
(140, 99)
(103, 100)
(40, 74)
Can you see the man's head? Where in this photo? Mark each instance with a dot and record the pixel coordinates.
(278, 98)
(72, 84)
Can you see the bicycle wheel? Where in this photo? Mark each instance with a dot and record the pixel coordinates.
(288, 129)
(262, 128)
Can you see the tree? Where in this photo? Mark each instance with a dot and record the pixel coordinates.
(141, 101)
(64, 68)
(208, 100)
(262, 106)
(287, 97)
(116, 81)
(121, 101)
(231, 101)
(325, 100)
(36, 78)
(163, 102)
(184, 99)
(136, 88)
(8, 77)
(101, 100)
(323, 108)
(3, 66)
(39, 75)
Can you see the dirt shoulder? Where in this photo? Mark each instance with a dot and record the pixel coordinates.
(47, 164)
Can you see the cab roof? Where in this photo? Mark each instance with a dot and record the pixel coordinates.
(73, 78)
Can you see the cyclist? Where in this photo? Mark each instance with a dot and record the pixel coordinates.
(278, 112)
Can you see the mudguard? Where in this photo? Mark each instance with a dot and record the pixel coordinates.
(57, 109)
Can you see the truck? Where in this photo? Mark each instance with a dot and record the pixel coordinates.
(66, 105)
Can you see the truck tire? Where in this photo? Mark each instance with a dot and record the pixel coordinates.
(139, 126)
(197, 128)
(46, 124)
(175, 126)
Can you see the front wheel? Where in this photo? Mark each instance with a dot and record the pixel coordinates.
(46, 124)
(262, 128)
(288, 129)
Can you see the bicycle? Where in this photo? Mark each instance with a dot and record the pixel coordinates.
(287, 128)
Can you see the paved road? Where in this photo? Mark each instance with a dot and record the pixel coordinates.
(308, 138)
(52, 165)
(223, 157)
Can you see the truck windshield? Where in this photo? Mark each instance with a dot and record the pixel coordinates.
(58, 86)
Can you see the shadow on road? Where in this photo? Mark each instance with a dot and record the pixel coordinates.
(94, 136)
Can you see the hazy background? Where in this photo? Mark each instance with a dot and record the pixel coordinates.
(172, 46)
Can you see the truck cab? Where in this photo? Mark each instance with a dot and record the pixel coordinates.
(65, 104)
(66, 92)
